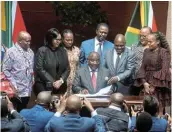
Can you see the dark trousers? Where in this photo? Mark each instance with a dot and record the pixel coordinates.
(39, 87)
(135, 90)
(20, 104)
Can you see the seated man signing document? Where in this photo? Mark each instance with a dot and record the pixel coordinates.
(90, 79)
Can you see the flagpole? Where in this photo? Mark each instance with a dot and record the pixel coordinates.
(9, 23)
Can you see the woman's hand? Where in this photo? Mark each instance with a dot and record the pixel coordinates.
(57, 84)
(146, 87)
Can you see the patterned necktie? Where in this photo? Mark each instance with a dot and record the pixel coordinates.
(117, 63)
(93, 78)
(99, 49)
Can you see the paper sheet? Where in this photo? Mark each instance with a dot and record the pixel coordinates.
(101, 93)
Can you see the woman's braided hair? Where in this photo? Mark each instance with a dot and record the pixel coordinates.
(163, 41)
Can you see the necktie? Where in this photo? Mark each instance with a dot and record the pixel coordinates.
(116, 65)
(93, 78)
(99, 49)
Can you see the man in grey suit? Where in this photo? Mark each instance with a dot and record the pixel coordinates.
(90, 79)
(121, 62)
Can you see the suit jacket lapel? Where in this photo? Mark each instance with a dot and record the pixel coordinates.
(88, 78)
(112, 60)
(99, 78)
(92, 45)
(123, 57)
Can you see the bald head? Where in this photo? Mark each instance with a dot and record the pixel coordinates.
(24, 39)
(120, 38)
(44, 97)
(22, 35)
(119, 43)
(117, 99)
(73, 104)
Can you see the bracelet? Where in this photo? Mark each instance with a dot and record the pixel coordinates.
(61, 80)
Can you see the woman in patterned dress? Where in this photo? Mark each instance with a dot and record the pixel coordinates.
(138, 50)
(73, 55)
(154, 74)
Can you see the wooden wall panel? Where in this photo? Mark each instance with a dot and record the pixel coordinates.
(39, 17)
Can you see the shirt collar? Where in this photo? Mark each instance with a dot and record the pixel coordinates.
(21, 49)
(97, 42)
(92, 70)
(114, 107)
(116, 52)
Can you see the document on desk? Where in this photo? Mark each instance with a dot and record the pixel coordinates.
(100, 94)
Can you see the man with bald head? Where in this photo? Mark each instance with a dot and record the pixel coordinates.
(38, 116)
(18, 68)
(120, 62)
(72, 121)
(90, 79)
(115, 118)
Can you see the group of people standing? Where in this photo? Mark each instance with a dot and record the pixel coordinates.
(145, 67)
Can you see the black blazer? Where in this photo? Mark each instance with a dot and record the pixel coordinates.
(51, 65)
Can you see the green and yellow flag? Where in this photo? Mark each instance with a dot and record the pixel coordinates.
(142, 16)
(6, 23)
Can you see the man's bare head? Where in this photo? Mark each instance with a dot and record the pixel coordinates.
(44, 98)
(94, 60)
(24, 40)
(117, 99)
(119, 43)
(73, 104)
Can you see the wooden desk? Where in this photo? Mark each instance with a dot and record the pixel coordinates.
(134, 101)
(103, 102)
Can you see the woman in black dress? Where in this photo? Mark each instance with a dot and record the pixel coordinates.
(51, 65)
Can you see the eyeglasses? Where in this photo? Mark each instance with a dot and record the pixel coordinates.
(143, 36)
(58, 39)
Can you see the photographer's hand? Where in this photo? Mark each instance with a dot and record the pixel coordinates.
(61, 105)
(10, 104)
(125, 107)
(133, 113)
(88, 105)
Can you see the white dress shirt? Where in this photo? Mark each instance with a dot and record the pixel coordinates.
(96, 45)
(114, 60)
(92, 72)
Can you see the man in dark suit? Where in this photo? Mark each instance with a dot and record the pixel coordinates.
(12, 122)
(39, 115)
(98, 44)
(151, 106)
(115, 116)
(121, 63)
(72, 121)
(92, 78)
